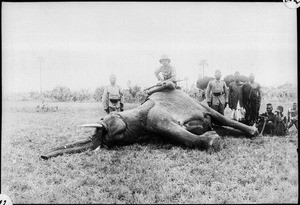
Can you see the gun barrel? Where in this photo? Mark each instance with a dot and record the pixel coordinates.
(158, 85)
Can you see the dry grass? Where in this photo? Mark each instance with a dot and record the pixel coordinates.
(264, 170)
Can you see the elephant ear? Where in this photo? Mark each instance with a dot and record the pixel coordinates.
(115, 125)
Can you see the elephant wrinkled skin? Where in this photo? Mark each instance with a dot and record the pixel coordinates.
(170, 114)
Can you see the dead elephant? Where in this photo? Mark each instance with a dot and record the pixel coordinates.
(170, 114)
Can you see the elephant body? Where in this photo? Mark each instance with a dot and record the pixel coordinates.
(170, 114)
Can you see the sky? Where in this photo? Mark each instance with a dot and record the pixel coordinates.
(79, 44)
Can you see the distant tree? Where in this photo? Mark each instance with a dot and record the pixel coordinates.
(47, 94)
(81, 95)
(98, 93)
(133, 90)
(128, 97)
(34, 95)
(61, 93)
(286, 85)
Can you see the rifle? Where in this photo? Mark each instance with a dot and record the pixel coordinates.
(265, 121)
(159, 84)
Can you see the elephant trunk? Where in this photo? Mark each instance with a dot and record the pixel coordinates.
(76, 147)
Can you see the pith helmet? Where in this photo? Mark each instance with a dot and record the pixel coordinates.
(164, 57)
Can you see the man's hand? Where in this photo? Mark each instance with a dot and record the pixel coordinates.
(161, 82)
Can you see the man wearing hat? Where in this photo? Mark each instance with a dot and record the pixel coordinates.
(168, 79)
(217, 93)
(112, 98)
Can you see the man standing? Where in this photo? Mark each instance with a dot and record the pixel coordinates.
(293, 116)
(217, 93)
(168, 79)
(269, 117)
(251, 100)
(236, 96)
(112, 98)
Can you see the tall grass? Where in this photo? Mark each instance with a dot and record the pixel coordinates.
(264, 170)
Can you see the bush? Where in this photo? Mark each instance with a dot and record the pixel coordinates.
(128, 98)
(33, 96)
(81, 95)
(282, 93)
(99, 93)
(203, 82)
(61, 93)
(134, 94)
(134, 90)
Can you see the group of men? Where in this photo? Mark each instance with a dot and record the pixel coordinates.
(277, 123)
(243, 99)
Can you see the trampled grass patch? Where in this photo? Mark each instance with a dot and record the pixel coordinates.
(264, 170)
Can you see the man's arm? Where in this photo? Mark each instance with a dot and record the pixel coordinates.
(121, 94)
(284, 119)
(207, 92)
(288, 115)
(173, 74)
(260, 93)
(105, 99)
(121, 98)
(156, 72)
(226, 90)
(230, 95)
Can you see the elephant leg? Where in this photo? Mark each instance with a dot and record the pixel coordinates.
(169, 129)
(228, 131)
(221, 120)
(196, 115)
(198, 127)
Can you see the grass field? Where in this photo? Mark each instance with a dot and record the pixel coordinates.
(264, 170)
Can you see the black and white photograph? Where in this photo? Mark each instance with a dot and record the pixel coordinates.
(149, 102)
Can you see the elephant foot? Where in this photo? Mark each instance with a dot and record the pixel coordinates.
(259, 135)
(255, 134)
(216, 143)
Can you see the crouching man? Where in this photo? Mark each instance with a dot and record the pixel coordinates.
(112, 98)
(293, 116)
(280, 122)
(267, 118)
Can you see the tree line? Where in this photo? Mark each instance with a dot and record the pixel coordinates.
(135, 94)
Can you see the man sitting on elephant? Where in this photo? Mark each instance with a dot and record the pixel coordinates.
(169, 76)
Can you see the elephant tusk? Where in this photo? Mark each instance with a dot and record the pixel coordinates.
(95, 125)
